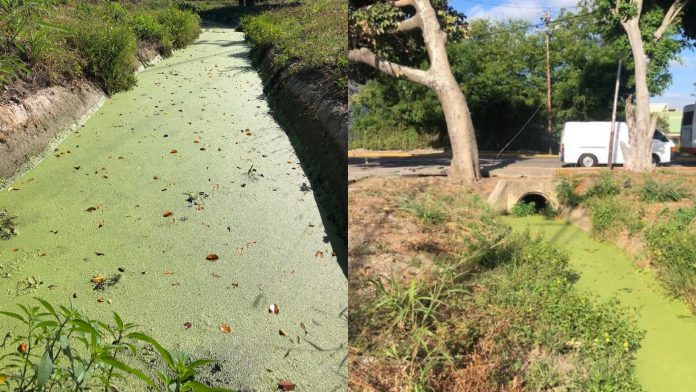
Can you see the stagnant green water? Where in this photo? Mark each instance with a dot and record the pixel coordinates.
(235, 187)
(666, 361)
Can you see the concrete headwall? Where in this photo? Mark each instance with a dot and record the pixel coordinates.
(508, 192)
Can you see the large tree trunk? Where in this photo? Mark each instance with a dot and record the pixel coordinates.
(638, 152)
(465, 160)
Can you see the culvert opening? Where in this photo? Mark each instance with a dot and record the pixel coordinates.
(530, 203)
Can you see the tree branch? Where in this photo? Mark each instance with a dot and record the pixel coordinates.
(670, 15)
(365, 56)
(410, 24)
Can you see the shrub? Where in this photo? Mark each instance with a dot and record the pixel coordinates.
(182, 26)
(524, 209)
(565, 192)
(110, 53)
(605, 186)
(609, 216)
(653, 191)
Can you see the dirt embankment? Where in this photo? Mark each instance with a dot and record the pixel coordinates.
(31, 119)
(317, 118)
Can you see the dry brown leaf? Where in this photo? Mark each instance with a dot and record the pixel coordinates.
(173, 151)
(225, 328)
(100, 299)
(91, 209)
(286, 385)
(22, 347)
(167, 214)
(212, 257)
(274, 309)
(282, 333)
(319, 254)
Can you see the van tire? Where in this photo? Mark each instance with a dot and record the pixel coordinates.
(587, 160)
(655, 160)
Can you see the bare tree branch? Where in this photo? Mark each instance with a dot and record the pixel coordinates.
(409, 24)
(670, 15)
(365, 56)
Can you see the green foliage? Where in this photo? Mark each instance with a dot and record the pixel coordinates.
(62, 349)
(311, 37)
(110, 53)
(653, 191)
(609, 216)
(565, 192)
(182, 26)
(673, 250)
(524, 209)
(605, 186)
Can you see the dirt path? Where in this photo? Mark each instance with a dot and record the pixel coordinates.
(195, 138)
(666, 360)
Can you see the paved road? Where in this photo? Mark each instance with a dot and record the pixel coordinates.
(437, 164)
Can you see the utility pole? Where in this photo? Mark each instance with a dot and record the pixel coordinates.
(547, 33)
(613, 118)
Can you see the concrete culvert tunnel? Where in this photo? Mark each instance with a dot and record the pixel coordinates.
(540, 201)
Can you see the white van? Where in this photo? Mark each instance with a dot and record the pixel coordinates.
(688, 139)
(587, 144)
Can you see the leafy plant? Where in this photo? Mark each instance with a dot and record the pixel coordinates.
(63, 349)
(653, 191)
(605, 186)
(522, 208)
(424, 209)
(565, 192)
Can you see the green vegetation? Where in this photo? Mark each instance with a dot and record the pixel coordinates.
(673, 249)
(310, 36)
(498, 312)
(62, 349)
(653, 191)
(667, 234)
(48, 42)
(522, 208)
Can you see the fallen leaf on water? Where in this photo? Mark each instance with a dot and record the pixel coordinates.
(282, 333)
(304, 328)
(74, 295)
(51, 286)
(176, 284)
(15, 250)
(100, 299)
(11, 189)
(91, 209)
(98, 279)
(168, 273)
(319, 254)
(3, 377)
(109, 301)
(22, 347)
(187, 325)
(216, 275)
(286, 385)
(225, 328)
(167, 214)
(273, 309)
(173, 151)
(333, 254)
(99, 253)
(76, 167)
(212, 257)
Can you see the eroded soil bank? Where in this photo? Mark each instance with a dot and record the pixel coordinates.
(666, 360)
(194, 138)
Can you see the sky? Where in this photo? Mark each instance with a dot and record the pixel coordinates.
(678, 95)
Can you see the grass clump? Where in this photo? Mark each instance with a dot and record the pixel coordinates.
(307, 37)
(110, 54)
(424, 209)
(653, 191)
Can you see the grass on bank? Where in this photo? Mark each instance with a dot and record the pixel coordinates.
(445, 297)
(652, 216)
(307, 36)
(48, 42)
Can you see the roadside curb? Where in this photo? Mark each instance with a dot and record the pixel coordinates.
(436, 154)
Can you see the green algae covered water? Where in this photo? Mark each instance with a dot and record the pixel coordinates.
(666, 361)
(195, 138)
